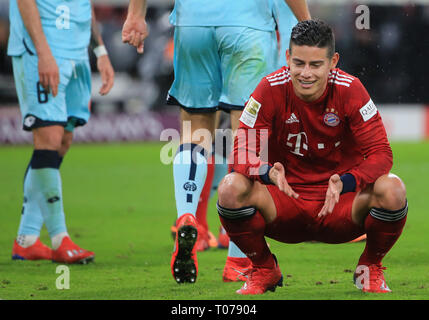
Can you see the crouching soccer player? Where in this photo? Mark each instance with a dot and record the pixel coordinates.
(317, 167)
(49, 46)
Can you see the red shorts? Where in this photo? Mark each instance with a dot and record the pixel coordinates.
(297, 220)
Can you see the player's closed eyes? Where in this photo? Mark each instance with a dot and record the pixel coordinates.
(312, 65)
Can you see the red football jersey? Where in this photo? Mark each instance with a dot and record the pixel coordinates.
(341, 132)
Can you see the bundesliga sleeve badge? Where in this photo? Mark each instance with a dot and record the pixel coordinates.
(250, 112)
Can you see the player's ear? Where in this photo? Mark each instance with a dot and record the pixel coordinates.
(288, 57)
(334, 60)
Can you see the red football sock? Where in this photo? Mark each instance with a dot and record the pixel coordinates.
(248, 234)
(203, 203)
(381, 236)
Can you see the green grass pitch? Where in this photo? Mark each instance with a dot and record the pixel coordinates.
(119, 202)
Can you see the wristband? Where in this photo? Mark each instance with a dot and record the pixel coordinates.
(100, 51)
(349, 183)
(264, 171)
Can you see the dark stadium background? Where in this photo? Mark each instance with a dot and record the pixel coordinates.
(390, 59)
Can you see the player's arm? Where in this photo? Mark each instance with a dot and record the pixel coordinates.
(250, 153)
(47, 66)
(135, 30)
(253, 134)
(299, 9)
(369, 133)
(103, 62)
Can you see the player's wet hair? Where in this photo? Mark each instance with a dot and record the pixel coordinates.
(313, 33)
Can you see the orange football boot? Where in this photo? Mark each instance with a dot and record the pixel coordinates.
(69, 252)
(261, 280)
(184, 264)
(37, 251)
(370, 278)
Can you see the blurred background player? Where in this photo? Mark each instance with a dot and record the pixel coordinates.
(218, 47)
(285, 21)
(324, 174)
(49, 47)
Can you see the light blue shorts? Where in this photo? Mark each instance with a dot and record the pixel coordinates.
(71, 106)
(219, 67)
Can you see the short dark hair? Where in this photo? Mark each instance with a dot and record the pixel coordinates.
(313, 33)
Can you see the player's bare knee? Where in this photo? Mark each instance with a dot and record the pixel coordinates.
(234, 190)
(390, 192)
(66, 143)
(49, 138)
(48, 142)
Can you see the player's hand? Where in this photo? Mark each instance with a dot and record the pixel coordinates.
(49, 74)
(335, 187)
(135, 31)
(278, 177)
(107, 74)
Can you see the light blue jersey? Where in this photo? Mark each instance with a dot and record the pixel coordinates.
(256, 14)
(285, 20)
(66, 25)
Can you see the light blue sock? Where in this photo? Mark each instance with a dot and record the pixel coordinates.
(189, 172)
(51, 199)
(31, 216)
(234, 251)
(45, 188)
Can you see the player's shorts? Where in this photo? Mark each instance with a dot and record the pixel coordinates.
(297, 220)
(219, 67)
(70, 108)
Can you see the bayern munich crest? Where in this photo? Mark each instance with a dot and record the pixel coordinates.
(331, 118)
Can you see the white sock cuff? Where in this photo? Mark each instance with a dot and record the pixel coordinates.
(26, 240)
(57, 239)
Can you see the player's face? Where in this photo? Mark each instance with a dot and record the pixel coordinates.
(309, 69)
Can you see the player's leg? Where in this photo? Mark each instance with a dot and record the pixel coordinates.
(43, 115)
(77, 97)
(189, 174)
(66, 143)
(245, 207)
(206, 239)
(387, 205)
(196, 89)
(191, 160)
(42, 195)
(46, 179)
(217, 169)
(31, 217)
(247, 56)
(237, 265)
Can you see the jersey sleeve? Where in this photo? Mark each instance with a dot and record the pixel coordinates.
(250, 153)
(370, 135)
